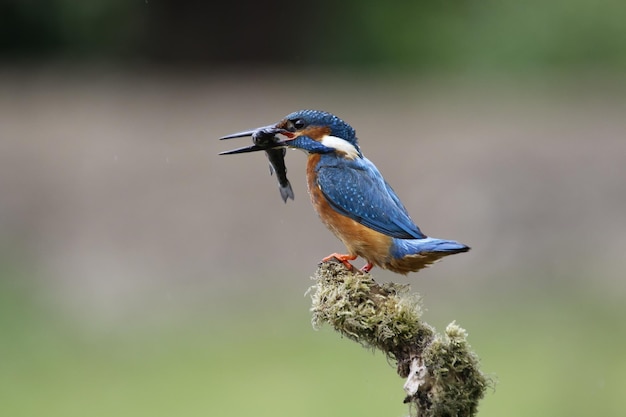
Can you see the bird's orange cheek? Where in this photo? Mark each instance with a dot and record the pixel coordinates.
(315, 132)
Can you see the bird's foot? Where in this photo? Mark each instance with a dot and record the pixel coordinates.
(343, 258)
(367, 267)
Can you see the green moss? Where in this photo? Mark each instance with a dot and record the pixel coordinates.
(457, 383)
(384, 317)
(388, 317)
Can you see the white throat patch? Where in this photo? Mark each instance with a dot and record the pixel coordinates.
(340, 145)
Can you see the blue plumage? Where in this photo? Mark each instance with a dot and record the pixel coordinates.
(406, 247)
(356, 189)
(337, 126)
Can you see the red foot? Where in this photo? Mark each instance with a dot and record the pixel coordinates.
(368, 267)
(344, 259)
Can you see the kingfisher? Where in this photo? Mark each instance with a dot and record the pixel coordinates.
(351, 196)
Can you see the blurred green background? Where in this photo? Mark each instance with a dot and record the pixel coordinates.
(143, 275)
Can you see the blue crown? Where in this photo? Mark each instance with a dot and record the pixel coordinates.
(338, 127)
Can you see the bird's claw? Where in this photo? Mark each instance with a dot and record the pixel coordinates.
(343, 258)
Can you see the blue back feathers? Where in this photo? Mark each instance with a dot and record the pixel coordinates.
(357, 190)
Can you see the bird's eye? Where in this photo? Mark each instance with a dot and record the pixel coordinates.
(299, 124)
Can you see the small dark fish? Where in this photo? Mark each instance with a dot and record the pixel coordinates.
(276, 157)
(277, 165)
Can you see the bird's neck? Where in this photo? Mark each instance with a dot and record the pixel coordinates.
(341, 146)
(311, 173)
(311, 164)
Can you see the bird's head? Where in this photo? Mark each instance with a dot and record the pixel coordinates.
(313, 131)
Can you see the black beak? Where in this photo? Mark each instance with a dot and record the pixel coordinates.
(264, 138)
(243, 134)
(246, 149)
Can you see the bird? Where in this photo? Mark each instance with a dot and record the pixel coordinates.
(351, 196)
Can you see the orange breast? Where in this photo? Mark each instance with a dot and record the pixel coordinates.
(359, 240)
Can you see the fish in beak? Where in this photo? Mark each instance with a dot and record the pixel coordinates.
(265, 139)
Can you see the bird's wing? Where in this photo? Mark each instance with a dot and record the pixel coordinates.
(357, 190)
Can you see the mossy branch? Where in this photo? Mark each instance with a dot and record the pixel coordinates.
(442, 375)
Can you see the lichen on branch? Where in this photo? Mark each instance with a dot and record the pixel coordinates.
(441, 371)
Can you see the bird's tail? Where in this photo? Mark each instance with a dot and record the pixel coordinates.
(430, 244)
(410, 255)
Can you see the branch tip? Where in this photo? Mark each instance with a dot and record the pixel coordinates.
(441, 371)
